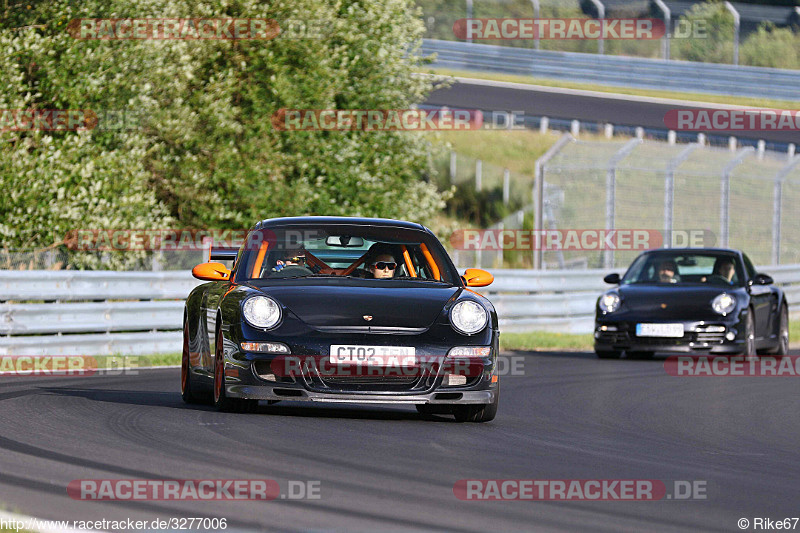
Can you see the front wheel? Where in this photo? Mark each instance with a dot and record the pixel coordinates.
(189, 392)
(749, 335)
(477, 413)
(221, 400)
(783, 334)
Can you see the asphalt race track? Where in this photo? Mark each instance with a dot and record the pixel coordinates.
(581, 105)
(570, 416)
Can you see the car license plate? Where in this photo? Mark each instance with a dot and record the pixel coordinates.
(659, 330)
(373, 355)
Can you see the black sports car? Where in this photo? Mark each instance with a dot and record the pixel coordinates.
(337, 309)
(691, 300)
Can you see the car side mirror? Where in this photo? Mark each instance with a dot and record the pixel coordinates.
(475, 277)
(762, 279)
(614, 279)
(211, 272)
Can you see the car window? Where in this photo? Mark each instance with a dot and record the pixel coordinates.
(751, 270)
(345, 251)
(721, 268)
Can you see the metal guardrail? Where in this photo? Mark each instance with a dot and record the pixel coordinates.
(733, 80)
(75, 323)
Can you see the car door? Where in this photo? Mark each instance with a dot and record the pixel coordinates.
(210, 306)
(761, 298)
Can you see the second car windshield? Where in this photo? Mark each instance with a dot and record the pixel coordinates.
(682, 268)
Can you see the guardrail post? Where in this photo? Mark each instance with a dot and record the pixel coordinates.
(536, 16)
(544, 125)
(736, 26)
(725, 200)
(669, 191)
(611, 193)
(777, 202)
(506, 186)
(667, 27)
(538, 192)
(601, 14)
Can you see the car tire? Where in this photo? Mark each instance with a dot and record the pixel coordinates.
(477, 413)
(749, 335)
(641, 356)
(783, 334)
(221, 400)
(608, 354)
(189, 391)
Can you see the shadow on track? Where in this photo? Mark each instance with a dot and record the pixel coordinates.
(291, 409)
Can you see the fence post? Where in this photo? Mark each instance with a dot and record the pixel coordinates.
(667, 27)
(538, 192)
(469, 16)
(725, 200)
(478, 174)
(536, 16)
(611, 193)
(736, 25)
(777, 203)
(669, 190)
(506, 186)
(601, 14)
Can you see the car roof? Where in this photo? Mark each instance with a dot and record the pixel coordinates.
(323, 220)
(693, 250)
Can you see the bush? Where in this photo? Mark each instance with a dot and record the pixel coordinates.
(206, 154)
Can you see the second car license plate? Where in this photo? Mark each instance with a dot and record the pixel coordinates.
(659, 330)
(373, 355)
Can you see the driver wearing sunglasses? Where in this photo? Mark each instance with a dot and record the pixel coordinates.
(383, 267)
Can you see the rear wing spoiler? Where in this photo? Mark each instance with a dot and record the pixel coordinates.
(223, 254)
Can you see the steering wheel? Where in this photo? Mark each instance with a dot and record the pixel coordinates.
(291, 271)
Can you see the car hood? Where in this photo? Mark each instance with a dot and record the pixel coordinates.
(673, 301)
(346, 306)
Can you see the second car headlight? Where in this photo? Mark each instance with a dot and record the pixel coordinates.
(609, 302)
(724, 303)
(261, 312)
(468, 317)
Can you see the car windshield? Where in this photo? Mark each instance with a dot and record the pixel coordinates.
(345, 251)
(677, 268)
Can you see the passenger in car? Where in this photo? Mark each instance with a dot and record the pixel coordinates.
(667, 271)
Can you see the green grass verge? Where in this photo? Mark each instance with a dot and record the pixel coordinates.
(543, 340)
(675, 95)
(137, 361)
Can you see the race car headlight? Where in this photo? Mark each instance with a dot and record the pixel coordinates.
(261, 312)
(609, 302)
(468, 317)
(724, 303)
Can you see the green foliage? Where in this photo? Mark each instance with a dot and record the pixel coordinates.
(771, 47)
(717, 45)
(204, 153)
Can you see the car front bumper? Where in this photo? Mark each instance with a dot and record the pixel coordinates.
(699, 337)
